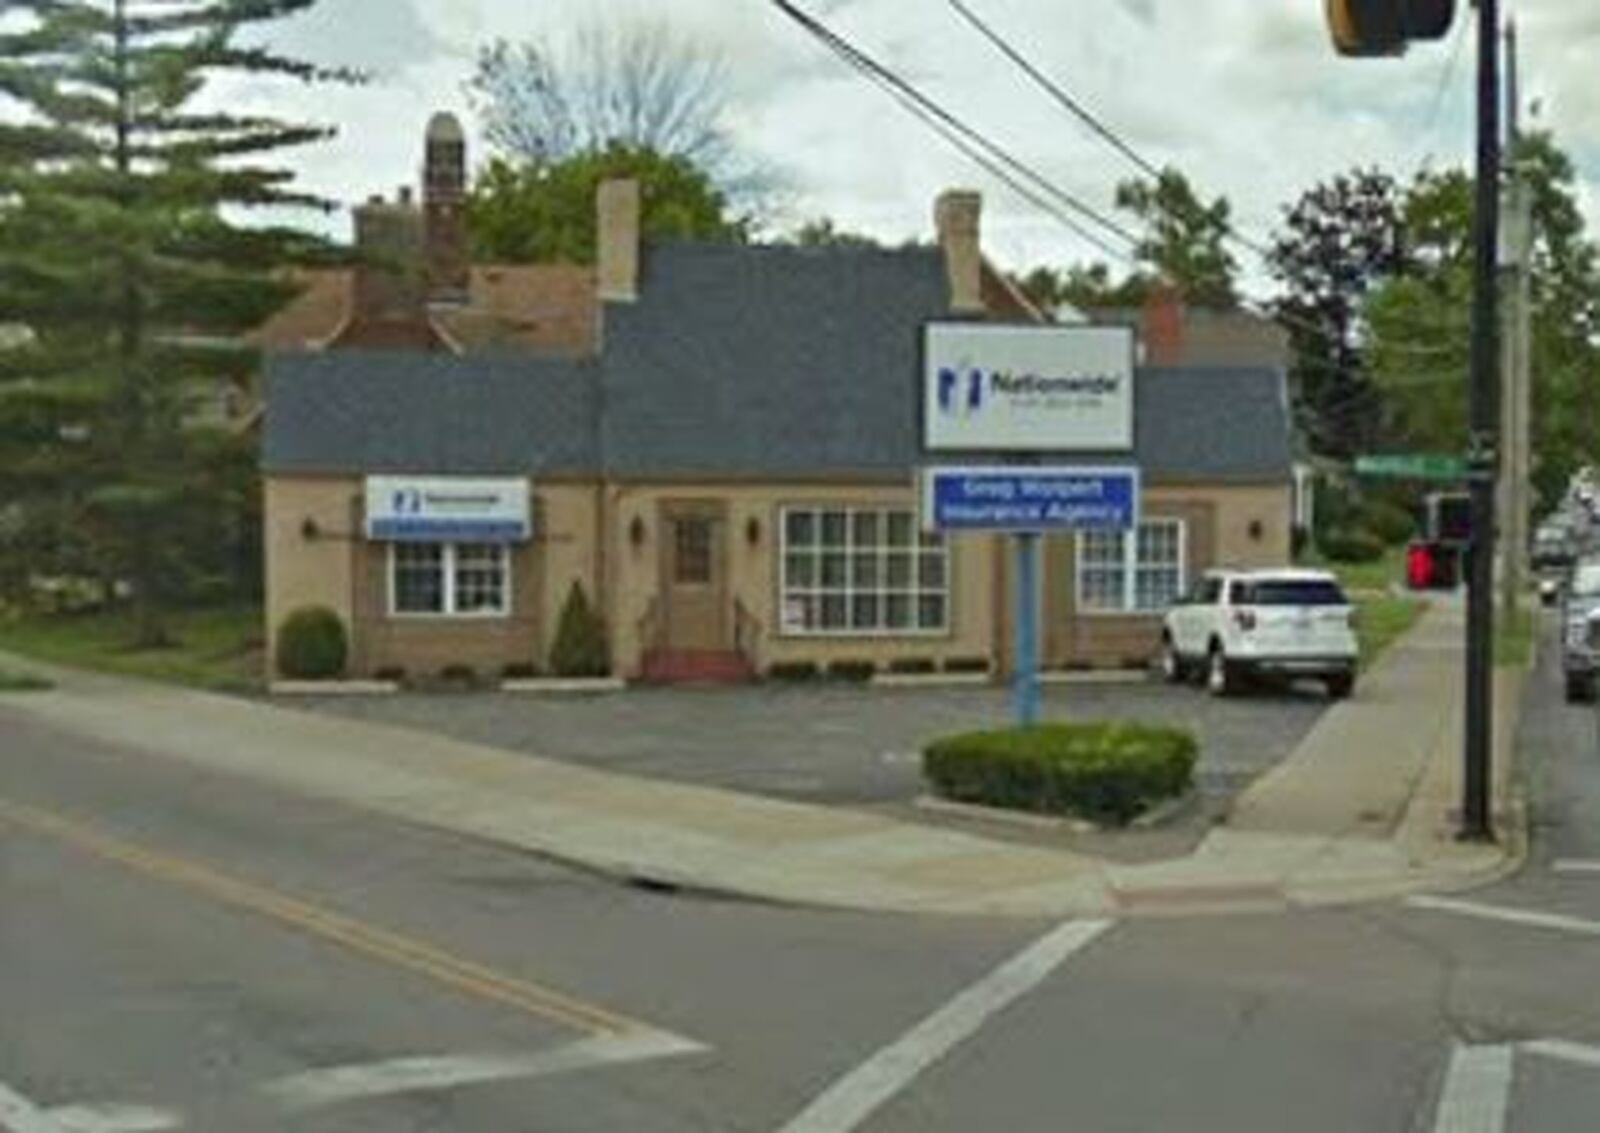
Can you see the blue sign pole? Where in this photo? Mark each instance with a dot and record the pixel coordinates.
(1025, 682)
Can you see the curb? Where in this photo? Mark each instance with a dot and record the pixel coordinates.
(333, 688)
(565, 686)
(932, 680)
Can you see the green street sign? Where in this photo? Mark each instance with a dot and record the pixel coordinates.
(1413, 466)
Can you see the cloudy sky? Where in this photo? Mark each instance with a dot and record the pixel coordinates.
(1244, 95)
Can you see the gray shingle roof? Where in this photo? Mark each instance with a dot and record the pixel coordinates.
(736, 362)
(406, 411)
(782, 360)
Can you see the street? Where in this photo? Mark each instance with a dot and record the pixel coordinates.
(184, 950)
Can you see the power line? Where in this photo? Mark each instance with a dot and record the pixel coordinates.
(909, 95)
(1078, 110)
(1446, 78)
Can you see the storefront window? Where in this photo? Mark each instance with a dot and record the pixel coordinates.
(1131, 572)
(862, 571)
(447, 579)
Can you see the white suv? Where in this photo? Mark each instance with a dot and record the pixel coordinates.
(1279, 623)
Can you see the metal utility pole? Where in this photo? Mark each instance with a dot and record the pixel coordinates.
(1516, 253)
(1476, 823)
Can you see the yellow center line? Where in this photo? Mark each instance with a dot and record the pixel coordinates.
(367, 940)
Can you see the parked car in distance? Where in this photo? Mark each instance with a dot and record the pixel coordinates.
(1580, 648)
(1234, 625)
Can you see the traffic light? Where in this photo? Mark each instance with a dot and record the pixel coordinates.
(1387, 27)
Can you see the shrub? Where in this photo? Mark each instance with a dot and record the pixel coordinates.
(793, 671)
(312, 645)
(1104, 772)
(580, 648)
(1388, 521)
(520, 671)
(851, 670)
(1351, 545)
(459, 674)
(394, 674)
(966, 665)
(914, 666)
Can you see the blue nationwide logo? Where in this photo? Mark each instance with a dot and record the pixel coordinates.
(958, 397)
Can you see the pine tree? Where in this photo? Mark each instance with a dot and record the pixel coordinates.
(122, 259)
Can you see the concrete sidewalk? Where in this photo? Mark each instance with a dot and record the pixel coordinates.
(1361, 810)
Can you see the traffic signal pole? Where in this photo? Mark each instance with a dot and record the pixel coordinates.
(1476, 823)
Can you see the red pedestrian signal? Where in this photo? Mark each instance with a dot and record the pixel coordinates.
(1370, 28)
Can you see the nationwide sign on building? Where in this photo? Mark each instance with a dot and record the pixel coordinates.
(448, 509)
(1001, 498)
(1039, 389)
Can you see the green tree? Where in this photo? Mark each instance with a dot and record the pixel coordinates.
(1339, 240)
(543, 212)
(1421, 322)
(1085, 287)
(1184, 237)
(119, 251)
(822, 232)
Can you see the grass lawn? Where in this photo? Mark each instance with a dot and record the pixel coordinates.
(19, 682)
(215, 648)
(1378, 575)
(1381, 621)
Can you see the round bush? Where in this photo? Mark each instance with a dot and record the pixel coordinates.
(312, 645)
(1105, 772)
(1389, 522)
(1351, 545)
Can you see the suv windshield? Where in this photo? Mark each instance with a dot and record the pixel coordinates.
(1291, 592)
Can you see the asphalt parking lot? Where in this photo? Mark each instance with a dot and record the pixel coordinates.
(834, 745)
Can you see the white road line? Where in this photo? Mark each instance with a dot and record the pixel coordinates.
(109, 1118)
(1477, 1090)
(1565, 1051)
(19, 1115)
(1576, 868)
(1526, 917)
(314, 1089)
(856, 1096)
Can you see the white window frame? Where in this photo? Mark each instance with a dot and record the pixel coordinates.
(914, 592)
(448, 560)
(1130, 571)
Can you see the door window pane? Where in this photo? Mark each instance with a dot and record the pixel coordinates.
(692, 551)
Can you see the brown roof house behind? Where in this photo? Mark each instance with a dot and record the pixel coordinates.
(415, 287)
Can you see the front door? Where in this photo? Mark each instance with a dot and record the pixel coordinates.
(694, 576)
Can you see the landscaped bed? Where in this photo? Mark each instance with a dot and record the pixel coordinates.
(1107, 773)
(216, 648)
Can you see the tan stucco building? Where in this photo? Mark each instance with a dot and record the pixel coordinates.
(730, 476)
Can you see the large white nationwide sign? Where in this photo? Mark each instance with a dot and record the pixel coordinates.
(448, 509)
(1039, 389)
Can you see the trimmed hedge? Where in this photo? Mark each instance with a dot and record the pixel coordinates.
(854, 671)
(312, 645)
(1352, 545)
(1388, 521)
(793, 671)
(1109, 773)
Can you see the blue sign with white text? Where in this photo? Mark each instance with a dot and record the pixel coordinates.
(1019, 499)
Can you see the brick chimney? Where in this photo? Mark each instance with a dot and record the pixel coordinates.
(617, 216)
(444, 199)
(1163, 325)
(389, 279)
(957, 218)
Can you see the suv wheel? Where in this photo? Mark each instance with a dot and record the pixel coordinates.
(1173, 670)
(1221, 680)
(1580, 688)
(1341, 685)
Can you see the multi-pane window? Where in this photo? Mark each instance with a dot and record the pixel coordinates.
(449, 579)
(1131, 572)
(862, 571)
